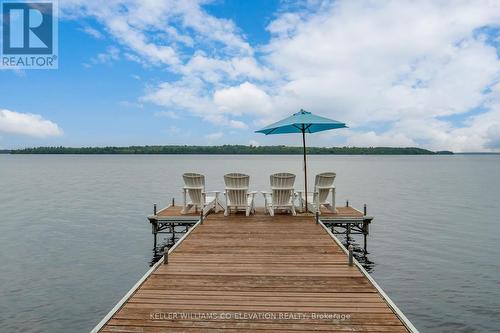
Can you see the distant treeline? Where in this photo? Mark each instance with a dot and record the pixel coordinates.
(229, 150)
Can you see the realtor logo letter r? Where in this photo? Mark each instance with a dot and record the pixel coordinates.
(27, 28)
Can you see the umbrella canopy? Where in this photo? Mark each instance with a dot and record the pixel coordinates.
(302, 122)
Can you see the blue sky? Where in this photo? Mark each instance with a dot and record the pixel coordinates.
(211, 72)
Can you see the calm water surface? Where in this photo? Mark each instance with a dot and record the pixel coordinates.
(74, 237)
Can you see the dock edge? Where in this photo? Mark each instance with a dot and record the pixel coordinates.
(136, 286)
(406, 322)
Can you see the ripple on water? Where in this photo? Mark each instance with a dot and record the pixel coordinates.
(74, 238)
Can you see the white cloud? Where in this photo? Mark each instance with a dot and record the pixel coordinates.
(214, 136)
(152, 29)
(380, 140)
(111, 54)
(34, 125)
(190, 95)
(493, 137)
(246, 98)
(168, 114)
(237, 124)
(406, 64)
(93, 32)
(285, 25)
(215, 70)
(401, 62)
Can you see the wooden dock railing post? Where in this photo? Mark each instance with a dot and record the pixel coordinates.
(317, 217)
(364, 209)
(154, 209)
(165, 256)
(347, 203)
(351, 259)
(173, 202)
(201, 217)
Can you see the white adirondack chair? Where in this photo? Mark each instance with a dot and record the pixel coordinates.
(194, 187)
(282, 195)
(323, 186)
(237, 195)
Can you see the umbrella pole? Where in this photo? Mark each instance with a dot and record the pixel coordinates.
(305, 163)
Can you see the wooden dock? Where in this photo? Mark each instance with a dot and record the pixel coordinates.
(259, 273)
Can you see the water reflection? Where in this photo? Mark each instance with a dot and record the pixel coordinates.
(165, 241)
(358, 251)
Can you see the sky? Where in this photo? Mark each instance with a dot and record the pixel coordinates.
(154, 72)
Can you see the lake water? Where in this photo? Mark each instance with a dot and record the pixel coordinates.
(74, 237)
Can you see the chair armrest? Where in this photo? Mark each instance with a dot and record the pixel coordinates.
(211, 192)
(252, 192)
(283, 188)
(325, 187)
(266, 194)
(194, 187)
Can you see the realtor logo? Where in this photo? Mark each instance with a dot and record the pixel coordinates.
(29, 34)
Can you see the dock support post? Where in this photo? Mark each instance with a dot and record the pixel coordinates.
(317, 217)
(173, 202)
(165, 256)
(347, 203)
(173, 234)
(364, 243)
(201, 217)
(351, 259)
(365, 230)
(347, 232)
(154, 226)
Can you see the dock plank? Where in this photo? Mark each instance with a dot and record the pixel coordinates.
(247, 274)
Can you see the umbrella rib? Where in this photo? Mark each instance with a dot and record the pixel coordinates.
(271, 131)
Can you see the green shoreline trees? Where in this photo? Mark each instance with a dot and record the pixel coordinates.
(229, 150)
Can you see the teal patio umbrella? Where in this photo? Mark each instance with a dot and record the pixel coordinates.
(302, 122)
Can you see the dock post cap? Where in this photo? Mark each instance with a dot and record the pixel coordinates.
(351, 259)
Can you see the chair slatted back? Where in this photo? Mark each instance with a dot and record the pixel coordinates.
(237, 188)
(282, 188)
(321, 184)
(195, 185)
